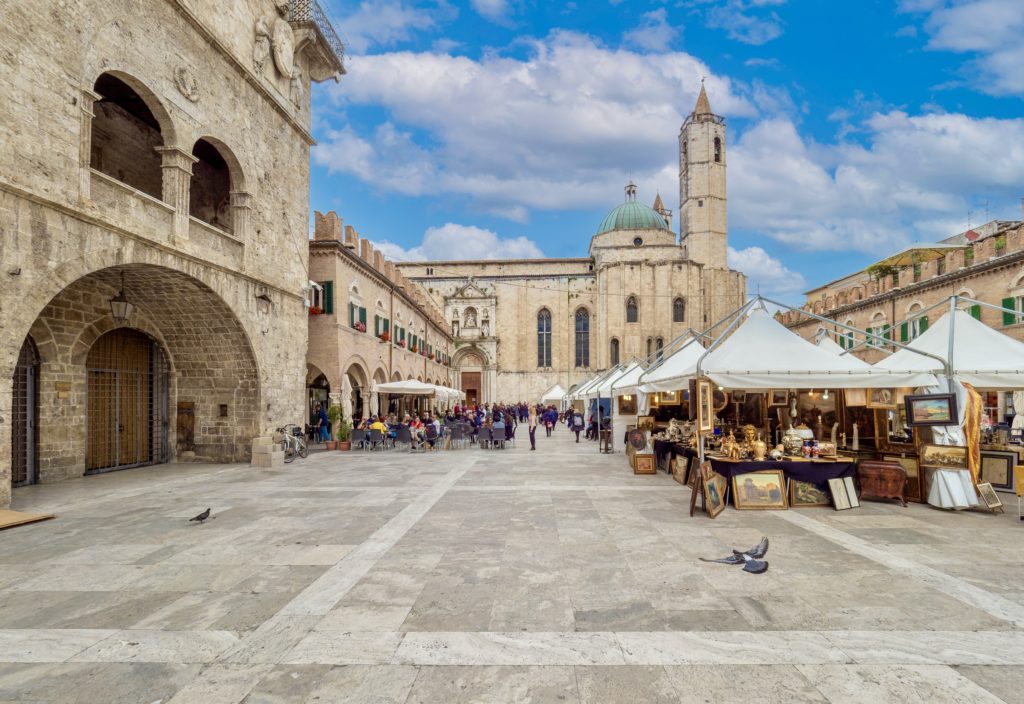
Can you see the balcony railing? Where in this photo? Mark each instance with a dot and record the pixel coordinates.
(310, 11)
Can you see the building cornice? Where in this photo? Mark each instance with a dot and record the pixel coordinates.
(1007, 260)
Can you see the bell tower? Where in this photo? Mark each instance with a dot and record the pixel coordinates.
(702, 199)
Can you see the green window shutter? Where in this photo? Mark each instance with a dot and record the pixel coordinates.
(887, 331)
(376, 325)
(976, 312)
(924, 324)
(849, 340)
(867, 337)
(387, 325)
(329, 297)
(904, 332)
(1009, 318)
(842, 341)
(362, 315)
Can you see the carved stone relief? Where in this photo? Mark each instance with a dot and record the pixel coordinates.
(187, 83)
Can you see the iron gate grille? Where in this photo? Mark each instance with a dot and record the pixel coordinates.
(24, 428)
(127, 403)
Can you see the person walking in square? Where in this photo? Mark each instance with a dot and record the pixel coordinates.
(532, 420)
(577, 424)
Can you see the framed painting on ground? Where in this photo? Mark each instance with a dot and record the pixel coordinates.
(714, 493)
(989, 496)
(760, 490)
(931, 409)
(679, 469)
(997, 469)
(944, 456)
(844, 493)
(804, 494)
(882, 398)
(644, 464)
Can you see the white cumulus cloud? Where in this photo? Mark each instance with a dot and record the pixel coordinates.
(766, 273)
(454, 241)
(654, 33)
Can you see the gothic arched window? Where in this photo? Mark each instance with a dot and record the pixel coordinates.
(615, 351)
(718, 149)
(544, 338)
(678, 310)
(582, 338)
(632, 312)
(659, 345)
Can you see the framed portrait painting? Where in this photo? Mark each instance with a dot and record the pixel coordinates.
(644, 464)
(931, 409)
(705, 406)
(714, 493)
(778, 397)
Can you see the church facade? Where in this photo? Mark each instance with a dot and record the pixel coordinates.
(521, 326)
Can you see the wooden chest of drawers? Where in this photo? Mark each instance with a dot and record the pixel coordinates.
(881, 479)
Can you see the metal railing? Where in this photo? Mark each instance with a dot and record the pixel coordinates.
(310, 11)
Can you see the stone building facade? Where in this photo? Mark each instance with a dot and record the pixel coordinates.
(368, 324)
(152, 249)
(987, 264)
(522, 326)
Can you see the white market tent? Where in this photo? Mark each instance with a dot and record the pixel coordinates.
(410, 387)
(675, 371)
(577, 394)
(603, 389)
(763, 354)
(827, 343)
(981, 356)
(627, 383)
(587, 391)
(556, 394)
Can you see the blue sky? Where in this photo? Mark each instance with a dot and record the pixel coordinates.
(505, 128)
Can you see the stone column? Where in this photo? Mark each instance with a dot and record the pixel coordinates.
(177, 178)
(241, 206)
(374, 403)
(88, 99)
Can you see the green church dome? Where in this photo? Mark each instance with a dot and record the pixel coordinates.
(632, 215)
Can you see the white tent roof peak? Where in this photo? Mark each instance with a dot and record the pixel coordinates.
(830, 345)
(762, 353)
(555, 393)
(982, 356)
(675, 370)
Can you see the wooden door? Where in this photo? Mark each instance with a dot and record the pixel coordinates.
(471, 387)
(123, 403)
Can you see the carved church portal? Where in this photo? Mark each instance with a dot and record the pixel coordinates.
(126, 405)
(25, 416)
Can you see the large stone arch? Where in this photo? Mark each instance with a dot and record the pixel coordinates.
(214, 373)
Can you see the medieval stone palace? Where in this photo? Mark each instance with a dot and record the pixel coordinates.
(521, 326)
(153, 248)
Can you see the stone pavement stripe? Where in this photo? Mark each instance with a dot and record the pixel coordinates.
(222, 684)
(276, 636)
(993, 604)
(531, 648)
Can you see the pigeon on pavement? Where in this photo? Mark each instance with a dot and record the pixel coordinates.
(750, 559)
(201, 517)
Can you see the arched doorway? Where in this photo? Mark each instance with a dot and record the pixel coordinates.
(318, 394)
(471, 368)
(25, 416)
(359, 384)
(126, 402)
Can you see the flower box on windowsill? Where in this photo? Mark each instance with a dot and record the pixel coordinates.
(359, 327)
(401, 343)
(315, 310)
(385, 337)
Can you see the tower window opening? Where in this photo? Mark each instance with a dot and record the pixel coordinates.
(718, 149)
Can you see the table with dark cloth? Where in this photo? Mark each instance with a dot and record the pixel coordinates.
(666, 449)
(817, 473)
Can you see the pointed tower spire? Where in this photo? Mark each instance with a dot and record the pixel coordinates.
(658, 204)
(703, 106)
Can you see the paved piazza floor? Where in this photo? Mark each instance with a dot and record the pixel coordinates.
(476, 576)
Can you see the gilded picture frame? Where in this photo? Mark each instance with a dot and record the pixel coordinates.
(760, 491)
(705, 406)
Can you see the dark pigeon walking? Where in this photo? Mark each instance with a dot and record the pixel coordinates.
(201, 517)
(750, 559)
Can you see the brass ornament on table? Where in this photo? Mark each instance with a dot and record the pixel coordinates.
(758, 448)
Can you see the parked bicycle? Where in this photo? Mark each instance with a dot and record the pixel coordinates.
(293, 442)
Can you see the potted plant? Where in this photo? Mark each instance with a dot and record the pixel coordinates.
(361, 327)
(315, 310)
(385, 337)
(342, 429)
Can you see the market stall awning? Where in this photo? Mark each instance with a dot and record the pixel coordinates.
(588, 390)
(450, 393)
(918, 253)
(830, 345)
(628, 383)
(604, 388)
(675, 372)
(982, 356)
(555, 393)
(763, 354)
(580, 391)
(409, 387)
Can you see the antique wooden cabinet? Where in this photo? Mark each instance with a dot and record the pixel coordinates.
(882, 479)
